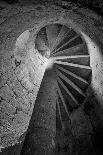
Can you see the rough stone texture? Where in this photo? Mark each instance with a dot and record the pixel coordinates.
(80, 123)
(42, 128)
(17, 93)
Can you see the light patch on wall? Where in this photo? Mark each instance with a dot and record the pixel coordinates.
(96, 62)
(22, 39)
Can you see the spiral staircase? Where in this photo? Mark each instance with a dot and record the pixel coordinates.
(63, 88)
(69, 63)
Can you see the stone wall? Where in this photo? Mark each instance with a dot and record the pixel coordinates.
(17, 94)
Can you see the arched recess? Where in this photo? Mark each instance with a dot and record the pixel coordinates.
(67, 76)
(63, 51)
(69, 58)
(82, 29)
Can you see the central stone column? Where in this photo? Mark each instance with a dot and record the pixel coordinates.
(42, 128)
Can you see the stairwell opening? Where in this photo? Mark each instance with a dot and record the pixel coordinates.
(68, 61)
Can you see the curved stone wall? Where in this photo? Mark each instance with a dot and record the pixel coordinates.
(19, 84)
